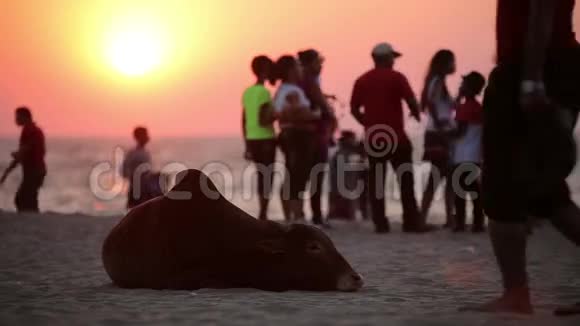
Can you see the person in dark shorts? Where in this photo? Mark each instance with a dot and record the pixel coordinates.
(312, 61)
(530, 109)
(298, 130)
(439, 104)
(259, 134)
(466, 154)
(30, 156)
(381, 92)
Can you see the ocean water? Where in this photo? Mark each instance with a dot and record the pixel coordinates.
(82, 174)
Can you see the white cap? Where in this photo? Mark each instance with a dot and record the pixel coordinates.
(385, 49)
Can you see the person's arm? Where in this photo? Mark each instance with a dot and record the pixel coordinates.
(247, 155)
(414, 106)
(267, 114)
(321, 101)
(538, 38)
(244, 124)
(9, 170)
(355, 104)
(434, 93)
(295, 111)
(409, 96)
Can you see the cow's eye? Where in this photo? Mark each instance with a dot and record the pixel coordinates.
(313, 247)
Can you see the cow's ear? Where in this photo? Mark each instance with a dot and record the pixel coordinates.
(272, 246)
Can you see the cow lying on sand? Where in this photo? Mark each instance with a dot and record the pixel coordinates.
(207, 242)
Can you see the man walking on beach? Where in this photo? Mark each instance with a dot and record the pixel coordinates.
(530, 109)
(30, 156)
(381, 92)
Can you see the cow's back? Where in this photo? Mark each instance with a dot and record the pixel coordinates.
(135, 252)
(162, 238)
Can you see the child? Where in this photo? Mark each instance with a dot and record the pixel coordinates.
(137, 170)
(466, 154)
(258, 127)
(347, 168)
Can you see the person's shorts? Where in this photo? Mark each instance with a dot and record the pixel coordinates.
(437, 147)
(527, 157)
(263, 151)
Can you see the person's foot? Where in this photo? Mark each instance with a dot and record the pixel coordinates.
(516, 302)
(449, 222)
(263, 216)
(459, 229)
(568, 310)
(421, 228)
(383, 228)
(478, 229)
(322, 224)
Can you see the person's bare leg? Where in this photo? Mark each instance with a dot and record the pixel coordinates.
(429, 193)
(449, 203)
(509, 242)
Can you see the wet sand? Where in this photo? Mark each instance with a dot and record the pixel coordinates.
(51, 272)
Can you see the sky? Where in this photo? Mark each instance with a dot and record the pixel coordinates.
(101, 67)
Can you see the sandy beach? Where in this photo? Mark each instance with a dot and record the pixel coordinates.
(51, 273)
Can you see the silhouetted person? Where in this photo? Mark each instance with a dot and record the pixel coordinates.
(346, 176)
(312, 62)
(136, 166)
(259, 133)
(381, 92)
(439, 104)
(30, 156)
(530, 108)
(466, 154)
(298, 131)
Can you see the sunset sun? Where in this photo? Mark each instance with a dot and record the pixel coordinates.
(136, 49)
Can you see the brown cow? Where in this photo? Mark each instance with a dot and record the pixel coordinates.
(204, 241)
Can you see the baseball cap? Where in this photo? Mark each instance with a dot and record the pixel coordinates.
(385, 49)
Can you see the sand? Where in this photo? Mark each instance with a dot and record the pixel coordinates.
(51, 273)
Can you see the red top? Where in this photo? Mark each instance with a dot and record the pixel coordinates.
(381, 92)
(33, 149)
(470, 112)
(512, 24)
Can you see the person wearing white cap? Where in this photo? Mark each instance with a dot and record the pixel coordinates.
(381, 92)
(385, 50)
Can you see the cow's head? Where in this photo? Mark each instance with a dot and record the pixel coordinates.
(304, 258)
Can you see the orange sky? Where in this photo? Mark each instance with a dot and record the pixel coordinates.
(52, 55)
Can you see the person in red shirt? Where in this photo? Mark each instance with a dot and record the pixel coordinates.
(30, 156)
(381, 92)
(530, 109)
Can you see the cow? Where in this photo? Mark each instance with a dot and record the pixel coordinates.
(193, 238)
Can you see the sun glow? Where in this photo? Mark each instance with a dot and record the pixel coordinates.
(137, 47)
(136, 43)
(135, 52)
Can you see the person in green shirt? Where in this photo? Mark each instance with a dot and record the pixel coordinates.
(258, 127)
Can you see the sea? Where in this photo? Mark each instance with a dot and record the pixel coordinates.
(83, 174)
